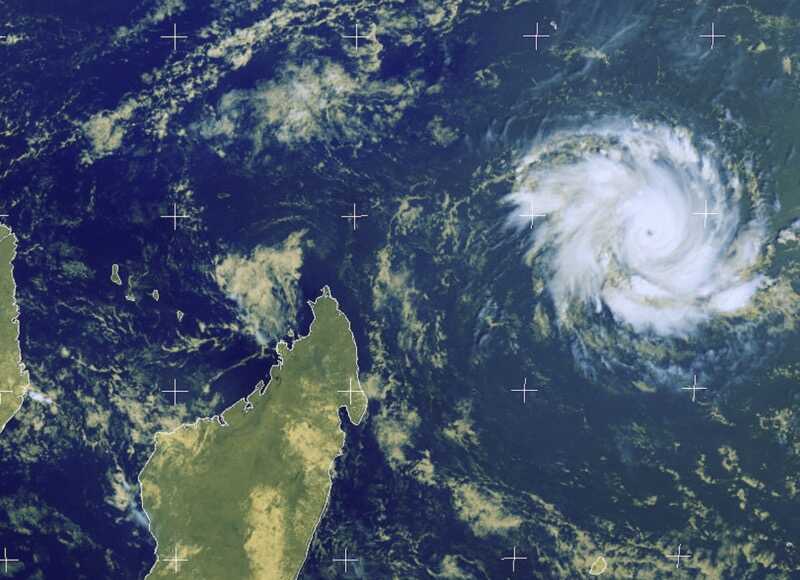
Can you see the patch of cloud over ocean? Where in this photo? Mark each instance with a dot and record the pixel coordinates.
(265, 286)
(315, 101)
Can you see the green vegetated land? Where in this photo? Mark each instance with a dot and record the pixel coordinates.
(243, 500)
(13, 379)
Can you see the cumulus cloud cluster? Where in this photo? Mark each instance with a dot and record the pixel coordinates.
(317, 100)
(264, 284)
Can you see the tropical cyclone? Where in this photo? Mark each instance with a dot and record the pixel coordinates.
(13, 377)
(239, 496)
(647, 224)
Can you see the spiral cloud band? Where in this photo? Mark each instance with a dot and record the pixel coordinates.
(642, 221)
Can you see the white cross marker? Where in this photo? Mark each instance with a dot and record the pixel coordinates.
(705, 213)
(514, 559)
(346, 560)
(524, 390)
(694, 388)
(175, 561)
(678, 557)
(536, 37)
(174, 390)
(1, 395)
(174, 37)
(350, 391)
(356, 36)
(175, 217)
(354, 217)
(6, 560)
(532, 215)
(712, 36)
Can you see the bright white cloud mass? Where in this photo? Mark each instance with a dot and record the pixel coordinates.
(625, 230)
(624, 226)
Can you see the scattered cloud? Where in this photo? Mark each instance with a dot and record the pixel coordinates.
(462, 429)
(313, 101)
(106, 130)
(482, 509)
(394, 428)
(265, 286)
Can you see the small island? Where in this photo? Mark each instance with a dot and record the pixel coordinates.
(115, 278)
(239, 496)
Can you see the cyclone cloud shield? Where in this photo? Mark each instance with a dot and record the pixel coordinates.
(651, 241)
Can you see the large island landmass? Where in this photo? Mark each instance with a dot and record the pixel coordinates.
(238, 496)
(13, 378)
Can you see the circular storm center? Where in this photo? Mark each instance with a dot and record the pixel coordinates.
(641, 219)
